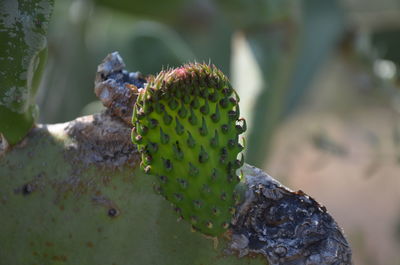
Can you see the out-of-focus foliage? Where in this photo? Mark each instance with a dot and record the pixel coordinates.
(289, 56)
(158, 10)
(23, 52)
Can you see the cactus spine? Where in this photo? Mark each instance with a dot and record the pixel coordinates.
(186, 126)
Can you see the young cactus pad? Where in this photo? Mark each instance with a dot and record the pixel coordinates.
(186, 126)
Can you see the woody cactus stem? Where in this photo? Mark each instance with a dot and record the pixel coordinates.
(186, 126)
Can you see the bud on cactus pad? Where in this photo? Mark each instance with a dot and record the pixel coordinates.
(186, 126)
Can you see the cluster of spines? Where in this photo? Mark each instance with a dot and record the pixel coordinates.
(186, 126)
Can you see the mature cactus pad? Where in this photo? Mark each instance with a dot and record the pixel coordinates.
(186, 126)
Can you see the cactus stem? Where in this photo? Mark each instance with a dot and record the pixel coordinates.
(224, 128)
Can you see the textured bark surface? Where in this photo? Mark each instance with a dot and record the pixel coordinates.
(284, 226)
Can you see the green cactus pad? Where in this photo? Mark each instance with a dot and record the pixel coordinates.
(186, 126)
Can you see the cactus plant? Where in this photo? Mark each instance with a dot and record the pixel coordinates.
(72, 193)
(23, 52)
(186, 125)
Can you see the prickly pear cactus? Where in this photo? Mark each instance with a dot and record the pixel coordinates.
(23, 53)
(186, 126)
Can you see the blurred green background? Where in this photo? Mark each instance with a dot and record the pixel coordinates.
(318, 81)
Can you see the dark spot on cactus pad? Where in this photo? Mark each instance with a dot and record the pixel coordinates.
(158, 189)
(197, 203)
(163, 179)
(27, 189)
(177, 151)
(190, 140)
(112, 212)
(167, 164)
(223, 103)
(203, 156)
(215, 211)
(226, 91)
(153, 123)
(224, 128)
(216, 116)
(232, 143)
(178, 196)
(224, 156)
(233, 115)
(214, 174)
(183, 183)
(214, 141)
(193, 170)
